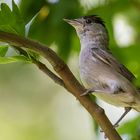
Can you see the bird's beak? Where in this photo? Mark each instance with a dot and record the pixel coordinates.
(74, 22)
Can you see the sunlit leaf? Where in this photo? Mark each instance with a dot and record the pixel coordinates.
(19, 22)
(11, 21)
(28, 25)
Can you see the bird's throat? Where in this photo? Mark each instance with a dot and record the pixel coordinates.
(93, 40)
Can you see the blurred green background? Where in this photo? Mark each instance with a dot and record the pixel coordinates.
(32, 107)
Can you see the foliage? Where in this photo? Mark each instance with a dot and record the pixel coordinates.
(11, 21)
(131, 129)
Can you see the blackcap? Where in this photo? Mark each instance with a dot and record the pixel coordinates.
(101, 73)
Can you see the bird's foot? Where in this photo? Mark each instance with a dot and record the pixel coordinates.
(97, 89)
(127, 109)
(88, 91)
(114, 126)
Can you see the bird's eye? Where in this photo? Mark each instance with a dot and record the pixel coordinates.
(88, 21)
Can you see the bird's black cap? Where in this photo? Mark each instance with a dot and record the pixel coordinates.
(95, 19)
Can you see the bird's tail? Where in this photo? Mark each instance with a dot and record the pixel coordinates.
(137, 105)
(137, 108)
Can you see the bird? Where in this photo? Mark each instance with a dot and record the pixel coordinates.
(101, 73)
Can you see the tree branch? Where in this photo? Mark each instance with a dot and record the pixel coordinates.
(71, 83)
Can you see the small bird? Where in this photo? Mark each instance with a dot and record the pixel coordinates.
(101, 73)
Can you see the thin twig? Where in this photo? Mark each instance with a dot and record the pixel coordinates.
(53, 76)
(42, 67)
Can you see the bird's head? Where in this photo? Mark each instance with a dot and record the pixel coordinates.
(86, 23)
(90, 28)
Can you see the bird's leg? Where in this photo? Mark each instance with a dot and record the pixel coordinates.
(127, 109)
(88, 91)
(107, 90)
(101, 90)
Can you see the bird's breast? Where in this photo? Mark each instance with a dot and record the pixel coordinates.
(88, 66)
(95, 73)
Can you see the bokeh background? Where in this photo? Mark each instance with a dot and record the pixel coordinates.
(32, 106)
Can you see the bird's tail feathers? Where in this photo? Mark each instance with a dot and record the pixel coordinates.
(137, 104)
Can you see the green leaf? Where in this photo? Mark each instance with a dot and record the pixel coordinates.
(131, 128)
(6, 60)
(3, 50)
(5, 15)
(11, 21)
(28, 25)
(21, 58)
(18, 19)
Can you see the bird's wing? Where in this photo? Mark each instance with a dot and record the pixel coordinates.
(107, 58)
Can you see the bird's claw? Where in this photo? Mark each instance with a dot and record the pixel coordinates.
(88, 91)
(114, 126)
(104, 134)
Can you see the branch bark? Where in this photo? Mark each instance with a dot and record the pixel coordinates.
(70, 82)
